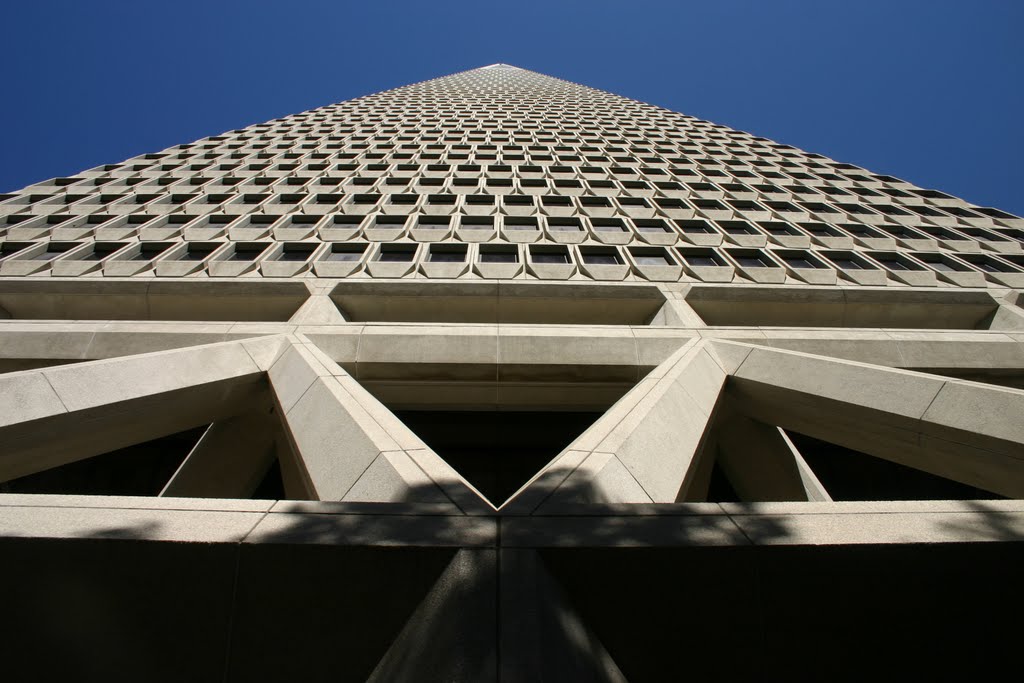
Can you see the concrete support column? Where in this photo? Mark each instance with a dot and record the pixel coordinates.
(677, 313)
(762, 464)
(318, 309)
(451, 635)
(541, 635)
(229, 461)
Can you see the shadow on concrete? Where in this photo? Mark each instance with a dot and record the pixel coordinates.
(404, 591)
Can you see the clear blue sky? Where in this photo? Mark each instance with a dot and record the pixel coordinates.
(927, 90)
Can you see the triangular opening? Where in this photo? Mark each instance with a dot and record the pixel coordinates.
(720, 489)
(271, 487)
(245, 457)
(852, 475)
(139, 470)
(497, 451)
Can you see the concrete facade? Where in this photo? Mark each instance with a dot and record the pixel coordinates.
(500, 377)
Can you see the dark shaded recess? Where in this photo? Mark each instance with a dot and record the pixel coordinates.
(799, 613)
(720, 489)
(321, 612)
(497, 451)
(851, 475)
(1002, 377)
(532, 303)
(666, 614)
(21, 364)
(140, 470)
(272, 485)
(108, 609)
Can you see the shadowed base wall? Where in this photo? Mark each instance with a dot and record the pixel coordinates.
(124, 609)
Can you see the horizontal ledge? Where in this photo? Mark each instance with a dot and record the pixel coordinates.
(526, 303)
(156, 300)
(831, 307)
(368, 524)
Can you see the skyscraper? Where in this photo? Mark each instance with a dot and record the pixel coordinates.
(500, 377)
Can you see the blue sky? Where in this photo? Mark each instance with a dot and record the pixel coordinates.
(930, 91)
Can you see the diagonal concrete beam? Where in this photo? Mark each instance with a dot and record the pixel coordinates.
(350, 446)
(644, 448)
(92, 408)
(965, 431)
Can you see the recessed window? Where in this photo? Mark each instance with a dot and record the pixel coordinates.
(709, 205)
(150, 250)
(396, 253)
(670, 203)
(478, 222)
(433, 222)
(799, 259)
(988, 264)
(778, 228)
(549, 256)
(608, 225)
(650, 257)
(297, 253)
(556, 201)
(984, 235)
(861, 231)
(600, 257)
(390, 222)
(198, 251)
(492, 254)
(652, 226)
(701, 258)
(447, 254)
(996, 213)
(565, 224)
(11, 248)
(520, 223)
(247, 252)
(53, 250)
(901, 232)
(346, 221)
(753, 258)
(345, 252)
(940, 233)
(517, 200)
(847, 260)
(738, 227)
(895, 262)
(102, 250)
(695, 227)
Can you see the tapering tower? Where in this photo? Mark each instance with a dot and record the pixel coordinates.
(501, 377)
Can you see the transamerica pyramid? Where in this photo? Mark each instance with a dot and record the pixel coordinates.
(502, 377)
